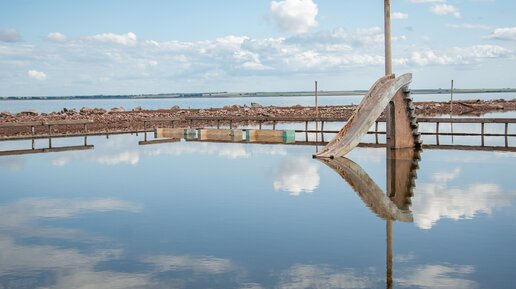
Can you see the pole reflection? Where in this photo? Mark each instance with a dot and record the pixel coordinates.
(393, 205)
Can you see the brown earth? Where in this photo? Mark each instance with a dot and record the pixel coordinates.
(118, 120)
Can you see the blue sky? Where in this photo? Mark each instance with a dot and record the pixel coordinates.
(136, 47)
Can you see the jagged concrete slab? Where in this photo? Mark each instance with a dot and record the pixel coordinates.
(367, 112)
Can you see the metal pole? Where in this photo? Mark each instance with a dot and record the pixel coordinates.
(451, 98)
(451, 109)
(387, 28)
(316, 103)
(316, 118)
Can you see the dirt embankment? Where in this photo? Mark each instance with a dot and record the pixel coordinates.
(118, 120)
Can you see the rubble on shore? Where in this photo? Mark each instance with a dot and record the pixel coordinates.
(120, 119)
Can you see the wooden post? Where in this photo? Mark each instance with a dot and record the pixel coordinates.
(482, 125)
(506, 134)
(437, 133)
(322, 130)
(376, 130)
(451, 99)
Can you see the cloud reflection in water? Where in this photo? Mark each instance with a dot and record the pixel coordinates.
(437, 200)
(296, 176)
(437, 276)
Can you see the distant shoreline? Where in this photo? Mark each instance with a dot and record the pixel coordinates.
(252, 94)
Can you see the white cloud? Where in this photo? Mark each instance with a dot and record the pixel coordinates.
(445, 9)
(295, 16)
(429, 57)
(437, 276)
(460, 55)
(399, 16)
(9, 35)
(468, 26)
(128, 39)
(56, 37)
(37, 75)
(427, 1)
(504, 34)
(231, 41)
(296, 176)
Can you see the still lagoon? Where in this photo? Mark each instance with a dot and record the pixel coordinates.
(237, 215)
(47, 106)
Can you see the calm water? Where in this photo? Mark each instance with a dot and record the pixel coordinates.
(208, 215)
(57, 105)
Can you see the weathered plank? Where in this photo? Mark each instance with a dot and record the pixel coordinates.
(68, 122)
(21, 124)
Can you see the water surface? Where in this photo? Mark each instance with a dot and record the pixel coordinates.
(209, 215)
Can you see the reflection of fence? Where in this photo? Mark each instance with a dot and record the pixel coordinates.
(45, 150)
(231, 121)
(260, 121)
(50, 125)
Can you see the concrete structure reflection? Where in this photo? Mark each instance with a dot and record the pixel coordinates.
(394, 205)
(49, 149)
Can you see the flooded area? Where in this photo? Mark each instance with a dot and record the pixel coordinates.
(242, 215)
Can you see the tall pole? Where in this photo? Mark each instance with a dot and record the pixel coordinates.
(390, 122)
(389, 112)
(387, 29)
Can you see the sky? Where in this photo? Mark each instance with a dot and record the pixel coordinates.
(73, 47)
